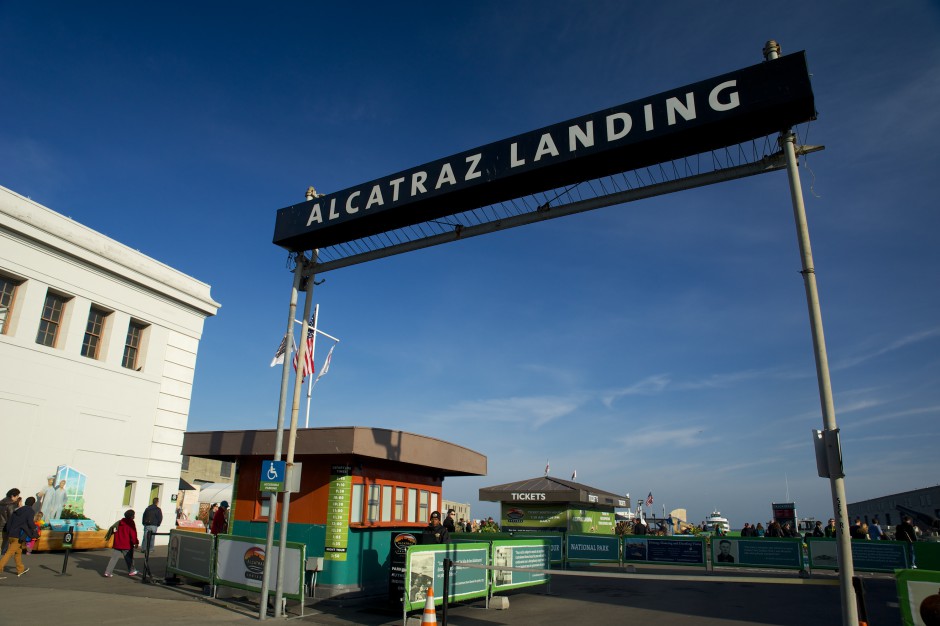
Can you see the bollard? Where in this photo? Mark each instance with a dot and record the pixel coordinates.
(67, 544)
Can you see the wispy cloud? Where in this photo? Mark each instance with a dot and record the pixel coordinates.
(890, 416)
(535, 411)
(718, 381)
(903, 342)
(674, 437)
(648, 386)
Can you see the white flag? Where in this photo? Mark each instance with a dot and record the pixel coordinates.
(281, 349)
(574, 474)
(326, 363)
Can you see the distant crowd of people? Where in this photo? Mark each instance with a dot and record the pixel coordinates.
(438, 531)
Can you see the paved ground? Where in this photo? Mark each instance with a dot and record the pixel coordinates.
(84, 596)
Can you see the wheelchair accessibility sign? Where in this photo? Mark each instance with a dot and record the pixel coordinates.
(272, 476)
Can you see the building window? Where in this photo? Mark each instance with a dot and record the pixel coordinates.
(888, 519)
(135, 332)
(128, 493)
(51, 319)
(386, 503)
(412, 505)
(226, 470)
(355, 508)
(185, 464)
(94, 329)
(423, 512)
(373, 503)
(399, 502)
(7, 297)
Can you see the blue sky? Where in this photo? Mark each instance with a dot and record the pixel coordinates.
(660, 346)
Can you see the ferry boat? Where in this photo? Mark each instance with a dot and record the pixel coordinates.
(715, 519)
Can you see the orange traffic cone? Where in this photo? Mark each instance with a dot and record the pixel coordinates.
(430, 615)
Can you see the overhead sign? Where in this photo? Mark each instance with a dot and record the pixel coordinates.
(722, 111)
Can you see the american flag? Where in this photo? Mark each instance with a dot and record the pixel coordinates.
(281, 349)
(308, 356)
(649, 499)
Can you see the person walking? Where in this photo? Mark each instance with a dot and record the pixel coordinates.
(905, 532)
(875, 533)
(125, 540)
(21, 530)
(220, 520)
(7, 506)
(210, 516)
(152, 520)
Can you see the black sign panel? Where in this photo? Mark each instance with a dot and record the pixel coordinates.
(721, 111)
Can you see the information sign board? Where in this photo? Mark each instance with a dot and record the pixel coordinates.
(529, 554)
(337, 513)
(425, 568)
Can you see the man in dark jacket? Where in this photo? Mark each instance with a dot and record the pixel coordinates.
(21, 529)
(152, 520)
(905, 530)
(7, 506)
(639, 528)
(435, 532)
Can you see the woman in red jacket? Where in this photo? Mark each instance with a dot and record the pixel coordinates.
(125, 540)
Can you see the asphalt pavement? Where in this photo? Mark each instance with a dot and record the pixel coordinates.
(84, 596)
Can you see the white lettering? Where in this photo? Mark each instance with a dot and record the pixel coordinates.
(514, 160)
(585, 137)
(447, 176)
(333, 213)
(733, 100)
(375, 197)
(395, 183)
(474, 161)
(648, 114)
(417, 182)
(612, 133)
(546, 146)
(687, 111)
(315, 215)
(528, 496)
(349, 205)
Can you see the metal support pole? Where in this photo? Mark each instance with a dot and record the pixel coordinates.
(292, 438)
(447, 565)
(836, 478)
(278, 443)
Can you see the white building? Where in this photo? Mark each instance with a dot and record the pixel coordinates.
(98, 348)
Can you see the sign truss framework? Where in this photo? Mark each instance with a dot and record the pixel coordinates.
(754, 157)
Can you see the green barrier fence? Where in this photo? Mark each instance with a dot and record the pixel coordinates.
(867, 556)
(769, 552)
(664, 550)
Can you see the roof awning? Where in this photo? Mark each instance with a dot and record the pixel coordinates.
(185, 486)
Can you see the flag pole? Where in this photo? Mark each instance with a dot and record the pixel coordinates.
(313, 348)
